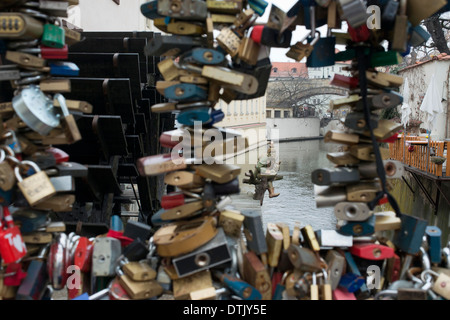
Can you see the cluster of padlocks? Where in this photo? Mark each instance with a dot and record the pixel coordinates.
(198, 247)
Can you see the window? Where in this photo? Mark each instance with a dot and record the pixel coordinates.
(294, 70)
(275, 70)
(277, 114)
(268, 113)
(286, 114)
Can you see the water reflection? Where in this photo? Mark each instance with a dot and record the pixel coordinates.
(296, 201)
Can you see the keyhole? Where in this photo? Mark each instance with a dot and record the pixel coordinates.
(351, 212)
(179, 91)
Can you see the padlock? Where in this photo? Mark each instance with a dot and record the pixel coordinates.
(137, 250)
(314, 288)
(301, 50)
(304, 259)
(342, 158)
(326, 292)
(248, 51)
(150, 10)
(387, 221)
(53, 36)
(58, 261)
(57, 203)
(351, 282)
(159, 164)
(186, 92)
(336, 264)
(417, 11)
(385, 129)
(338, 176)
(185, 28)
(342, 294)
(354, 11)
(254, 232)
(256, 274)
(434, 235)
(237, 286)
(82, 257)
(183, 10)
(231, 222)
(352, 211)
(229, 41)
(34, 285)
(358, 228)
(274, 239)
(309, 237)
(389, 14)
(183, 237)
(362, 192)
(219, 173)
(29, 220)
(266, 36)
(184, 287)
(49, 53)
(63, 183)
(7, 177)
(12, 244)
(37, 237)
(357, 122)
(394, 169)
(418, 36)
(213, 253)
(36, 110)
(184, 179)
(16, 25)
(136, 229)
(35, 188)
(371, 251)
(333, 239)
(227, 7)
(171, 46)
(344, 81)
(138, 270)
(441, 285)
(104, 256)
(335, 136)
(191, 116)
(409, 237)
(139, 290)
(329, 196)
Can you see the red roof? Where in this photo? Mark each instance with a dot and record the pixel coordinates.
(439, 57)
(289, 70)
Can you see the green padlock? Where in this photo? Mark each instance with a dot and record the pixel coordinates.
(54, 36)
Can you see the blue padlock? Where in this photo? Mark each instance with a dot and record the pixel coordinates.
(323, 54)
(6, 197)
(84, 296)
(353, 268)
(278, 294)
(216, 116)
(418, 36)
(63, 68)
(207, 56)
(409, 238)
(359, 228)
(30, 220)
(116, 223)
(351, 282)
(259, 6)
(190, 116)
(186, 92)
(150, 10)
(434, 235)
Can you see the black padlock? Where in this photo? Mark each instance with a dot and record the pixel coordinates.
(136, 251)
(262, 72)
(389, 14)
(172, 45)
(224, 189)
(271, 37)
(135, 230)
(326, 176)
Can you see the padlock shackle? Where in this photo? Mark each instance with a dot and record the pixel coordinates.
(62, 103)
(25, 162)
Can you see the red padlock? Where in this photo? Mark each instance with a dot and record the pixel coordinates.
(257, 33)
(411, 148)
(49, 53)
(276, 279)
(14, 275)
(83, 254)
(117, 292)
(12, 246)
(359, 34)
(59, 155)
(167, 142)
(395, 265)
(371, 251)
(175, 199)
(345, 82)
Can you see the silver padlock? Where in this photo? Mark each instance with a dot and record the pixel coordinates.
(354, 11)
(352, 211)
(36, 110)
(105, 256)
(58, 261)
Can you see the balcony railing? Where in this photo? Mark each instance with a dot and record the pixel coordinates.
(420, 154)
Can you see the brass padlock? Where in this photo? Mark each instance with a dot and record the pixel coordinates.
(35, 188)
(168, 69)
(257, 275)
(229, 41)
(309, 237)
(249, 51)
(184, 179)
(220, 173)
(139, 290)
(274, 239)
(231, 221)
(68, 122)
(139, 271)
(184, 287)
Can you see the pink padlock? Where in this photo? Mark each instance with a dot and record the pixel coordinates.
(340, 294)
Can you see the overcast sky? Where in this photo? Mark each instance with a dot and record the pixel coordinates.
(279, 54)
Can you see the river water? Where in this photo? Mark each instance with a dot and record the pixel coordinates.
(296, 203)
